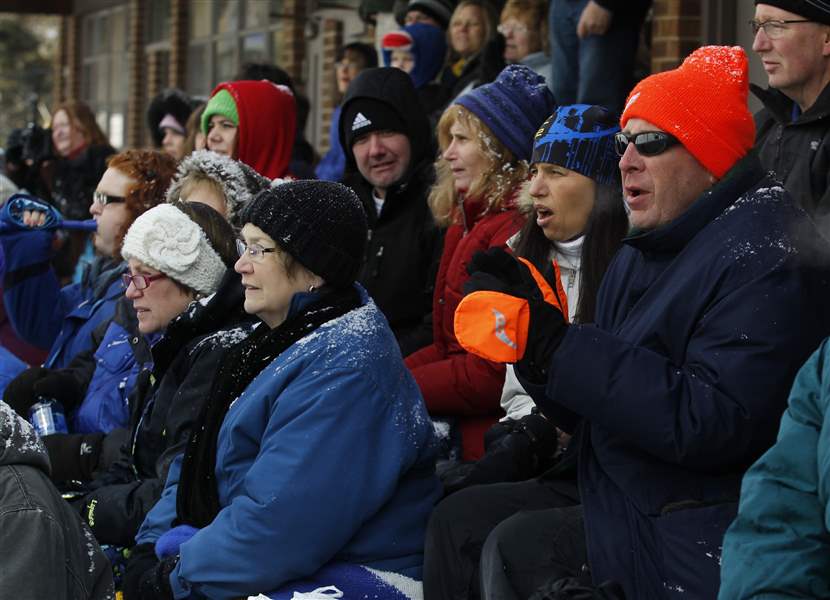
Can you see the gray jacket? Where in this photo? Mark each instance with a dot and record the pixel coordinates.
(45, 549)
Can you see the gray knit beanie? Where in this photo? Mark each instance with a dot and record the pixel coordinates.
(321, 224)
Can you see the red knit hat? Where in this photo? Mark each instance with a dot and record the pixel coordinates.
(703, 104)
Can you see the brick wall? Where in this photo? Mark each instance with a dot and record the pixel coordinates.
(137, 85)
(332, 32)
(178, 43)
(291, 51)
(72, 65)
(676, 31)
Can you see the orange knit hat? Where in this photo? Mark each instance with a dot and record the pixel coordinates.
(703, 104)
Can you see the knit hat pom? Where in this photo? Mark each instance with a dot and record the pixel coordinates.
(513, 107)
(703, 103)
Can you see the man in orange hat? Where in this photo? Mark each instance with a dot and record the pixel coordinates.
(702, 320)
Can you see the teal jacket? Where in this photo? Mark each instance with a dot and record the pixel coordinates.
(779, 544)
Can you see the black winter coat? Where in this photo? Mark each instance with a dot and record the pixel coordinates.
(796, 150)
(74, 180)
(168, 403)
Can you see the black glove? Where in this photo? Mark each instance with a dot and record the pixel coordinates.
(572, 588)
(499, 271)
(155, 584)
(73, 455)
(20, 394)
(141, 561)
(61, 386)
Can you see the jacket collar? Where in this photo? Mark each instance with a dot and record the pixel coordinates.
(781, 107)
(673, 237)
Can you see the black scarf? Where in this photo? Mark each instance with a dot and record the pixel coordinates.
(197, 503)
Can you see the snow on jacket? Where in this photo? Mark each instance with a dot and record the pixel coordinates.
(47, 315)
(701, 326)
(779, 544)
(455, 383)
(796, 148)
(328, 456)
(267, 124)
(45, 549)
(404, 245)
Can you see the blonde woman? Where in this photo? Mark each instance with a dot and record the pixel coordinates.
(485, 138)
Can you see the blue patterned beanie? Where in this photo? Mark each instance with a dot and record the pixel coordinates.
(513, 107)
(580, 137)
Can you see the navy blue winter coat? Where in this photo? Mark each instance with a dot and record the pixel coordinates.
(328, 456)
(47, 315)
(701, 326)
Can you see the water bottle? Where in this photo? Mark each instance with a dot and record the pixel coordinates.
(47, 417)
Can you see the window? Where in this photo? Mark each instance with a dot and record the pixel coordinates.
(105, 70)
(225, 34)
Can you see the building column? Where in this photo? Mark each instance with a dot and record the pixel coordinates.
(135, 50)
(676, 32)
(332, 40)
(178, 43)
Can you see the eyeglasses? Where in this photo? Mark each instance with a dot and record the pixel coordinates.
(517, 28)
(647, 143)
(774, 29)
(104, 199)
(140, 282)
(254, 252)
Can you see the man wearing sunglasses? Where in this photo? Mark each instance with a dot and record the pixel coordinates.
(792, 38)
(702, 320)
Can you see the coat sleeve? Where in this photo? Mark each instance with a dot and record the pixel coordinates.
(461, 384)
(721, 406)
(298, 505)
(160, 518)
(32, 555)
(121, 508)
(35, 303)
(779, 545)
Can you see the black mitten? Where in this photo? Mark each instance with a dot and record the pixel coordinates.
(73, 455)
(61, 386)
(20, 394)
(141, 561)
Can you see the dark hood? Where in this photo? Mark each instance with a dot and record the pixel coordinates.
(394, 88)
(19, 444)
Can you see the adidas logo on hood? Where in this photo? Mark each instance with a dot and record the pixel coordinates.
(360, 121)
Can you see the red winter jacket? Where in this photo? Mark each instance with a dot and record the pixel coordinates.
(452, 381)
(267, 125)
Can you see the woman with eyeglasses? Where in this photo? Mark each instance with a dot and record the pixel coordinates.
(314, 462)
(524, 25)
(65, 319)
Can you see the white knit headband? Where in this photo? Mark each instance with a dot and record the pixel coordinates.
(166, 239)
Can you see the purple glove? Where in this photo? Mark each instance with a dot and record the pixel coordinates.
(168, 544)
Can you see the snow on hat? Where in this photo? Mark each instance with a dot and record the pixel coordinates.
(703, 104)
(580, 137)
(166, 239)
(239, 182)
(513, 107)
(321, 224)
(440, 10)
(428, 45)
(815, 10)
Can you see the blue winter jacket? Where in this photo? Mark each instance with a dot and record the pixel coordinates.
(701, 326)
(779, 544)
(333, 164)
(46, 315)
(327, 456)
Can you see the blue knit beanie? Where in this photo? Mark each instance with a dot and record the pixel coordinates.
(580, 137)
(513, 107)
(428, 45)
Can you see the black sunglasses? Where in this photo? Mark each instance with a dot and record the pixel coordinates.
(647, 143)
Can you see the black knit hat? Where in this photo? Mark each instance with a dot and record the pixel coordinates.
(321, 224)
(815, 10)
